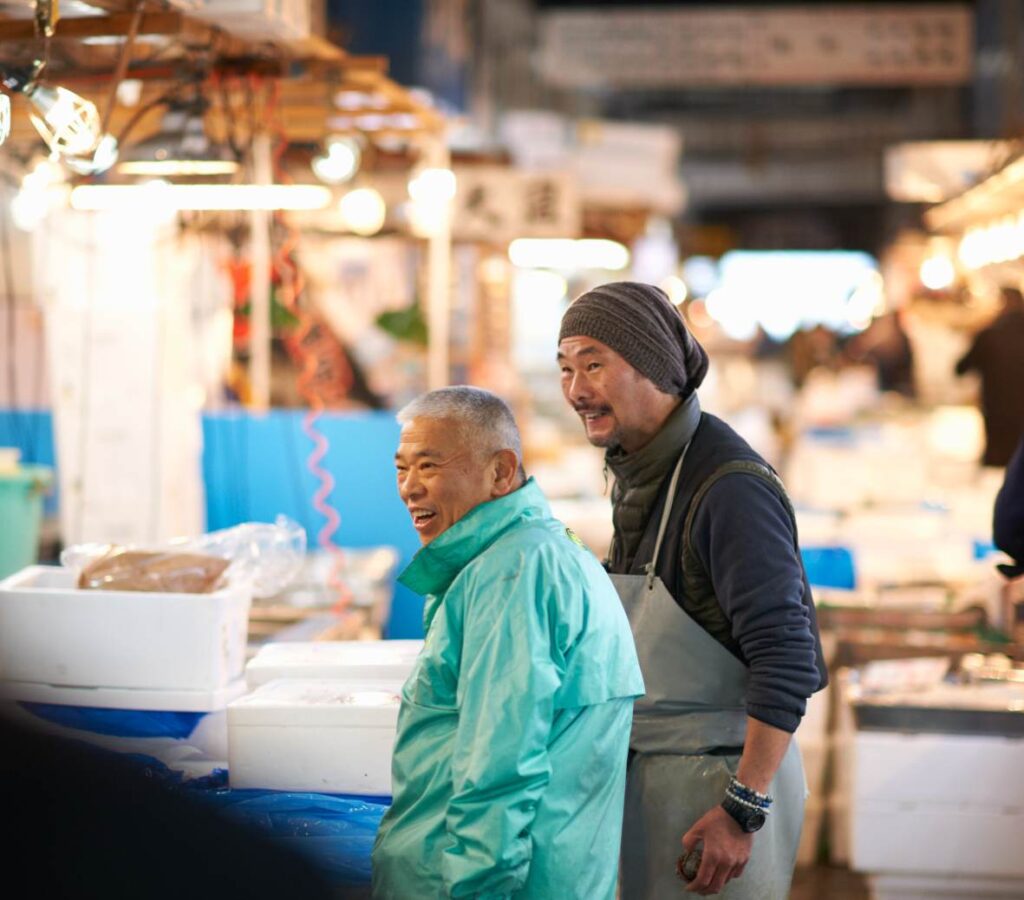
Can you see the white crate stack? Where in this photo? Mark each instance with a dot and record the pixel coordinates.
(321, 717)
(122, 650)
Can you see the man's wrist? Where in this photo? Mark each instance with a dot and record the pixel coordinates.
(747, 807)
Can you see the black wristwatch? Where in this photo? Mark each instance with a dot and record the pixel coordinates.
(747, 817)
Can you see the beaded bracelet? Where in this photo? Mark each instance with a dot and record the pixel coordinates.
(750, 804)
(748, 793)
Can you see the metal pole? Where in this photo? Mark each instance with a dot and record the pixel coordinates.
(259, 296)
(438, 279)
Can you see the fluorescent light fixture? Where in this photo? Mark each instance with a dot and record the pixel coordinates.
(567, 255)
(200, 196)
(163, 168)
(180, 148)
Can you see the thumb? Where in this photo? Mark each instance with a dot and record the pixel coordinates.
(692, 838)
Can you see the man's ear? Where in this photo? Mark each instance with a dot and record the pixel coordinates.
(505, 471)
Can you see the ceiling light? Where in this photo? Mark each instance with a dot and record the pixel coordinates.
(212, 197)
(363, 210)
(181, 148)
(566, 254)
(340, 163)
(937, 273)
(69, 124)
(433, 187)
(103, 157)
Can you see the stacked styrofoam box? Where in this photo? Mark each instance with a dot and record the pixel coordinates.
(338, 660)
(314, 734)
(938, 806)
(122, 650)
(322, 716)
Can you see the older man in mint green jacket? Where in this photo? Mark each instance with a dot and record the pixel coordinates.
(509, 766)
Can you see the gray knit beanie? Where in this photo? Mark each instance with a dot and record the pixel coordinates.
(639, 322)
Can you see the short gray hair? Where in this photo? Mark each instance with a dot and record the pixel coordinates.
(486, 417)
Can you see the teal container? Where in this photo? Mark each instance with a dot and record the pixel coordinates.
(21, 510)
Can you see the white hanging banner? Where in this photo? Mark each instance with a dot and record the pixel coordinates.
(868, 44)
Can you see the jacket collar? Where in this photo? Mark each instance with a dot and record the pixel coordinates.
(435, 566)
(652, 462)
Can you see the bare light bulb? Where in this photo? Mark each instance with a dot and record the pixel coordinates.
(363, 210)
(103, 157)
(69, 124)
(340, 162)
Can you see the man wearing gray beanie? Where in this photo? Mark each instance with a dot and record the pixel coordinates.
(705, 559)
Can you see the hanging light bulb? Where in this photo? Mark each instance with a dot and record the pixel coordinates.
(363, 210)
(5, 117)
(340, 163)
(103, 157)
(68, 123)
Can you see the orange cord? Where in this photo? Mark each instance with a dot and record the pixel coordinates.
(291, 286)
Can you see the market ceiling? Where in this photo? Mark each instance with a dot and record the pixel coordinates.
(313, 86)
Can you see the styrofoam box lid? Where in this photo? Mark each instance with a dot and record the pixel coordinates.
(123, 698)
(332, 659)
(330, 702)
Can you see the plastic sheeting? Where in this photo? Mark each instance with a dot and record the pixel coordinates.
(127, 723)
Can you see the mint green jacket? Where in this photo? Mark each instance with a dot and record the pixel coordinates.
(509, 765)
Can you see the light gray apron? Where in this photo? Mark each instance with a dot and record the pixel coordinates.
(695, 703)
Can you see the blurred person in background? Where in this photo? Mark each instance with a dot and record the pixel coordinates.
(886, 346)
(997, 355)
(705, 559)
(1008, 515)
(510, 760)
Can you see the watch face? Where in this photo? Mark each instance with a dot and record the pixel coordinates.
(755, 820)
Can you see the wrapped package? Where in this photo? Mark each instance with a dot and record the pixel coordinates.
(264, 556)
(135, 570)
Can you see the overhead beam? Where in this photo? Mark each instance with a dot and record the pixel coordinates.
(117, 25)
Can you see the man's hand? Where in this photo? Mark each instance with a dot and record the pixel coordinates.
(726, 850)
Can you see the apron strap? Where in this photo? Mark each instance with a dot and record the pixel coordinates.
(651, 567)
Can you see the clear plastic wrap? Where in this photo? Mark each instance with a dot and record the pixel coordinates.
(267, 556)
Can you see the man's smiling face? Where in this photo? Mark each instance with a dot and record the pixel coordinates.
(440, 476)
(618, 406)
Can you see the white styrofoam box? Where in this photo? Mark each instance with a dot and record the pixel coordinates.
(983, 772)
(936, 838)
(810, 835)
(54, 633)
(937, 803)
(208, 735)
(332, 659)
(942, 887)
(314, 734)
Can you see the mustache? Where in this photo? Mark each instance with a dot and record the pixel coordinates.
(584, 409)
